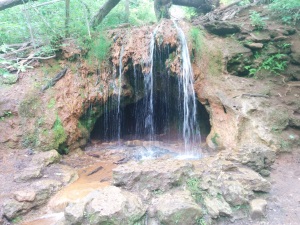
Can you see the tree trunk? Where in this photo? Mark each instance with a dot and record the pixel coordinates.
(161, 8)
(127, 11)
(203, 5)
(5, 4)
(67, 21)
(103, 11)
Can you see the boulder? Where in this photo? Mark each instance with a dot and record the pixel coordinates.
(46, 158)
(152, 174)
(250, 180)
(256, 157)
(127, 208)
(177, 208)
(217, 207)
(110, 205)
(258, 208)
(13, 208)
(222, 28)
(29, 173)
(234, 193)
(74, 213)
(39, 191)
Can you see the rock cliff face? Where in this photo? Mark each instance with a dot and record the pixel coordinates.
(242, 111)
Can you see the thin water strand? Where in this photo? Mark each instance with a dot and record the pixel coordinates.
(190, 127)
(119, 117)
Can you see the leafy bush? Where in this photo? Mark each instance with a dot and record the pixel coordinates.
(99, 48)
(274, 64)
(196, 37)
(256, 20)
(287, 10)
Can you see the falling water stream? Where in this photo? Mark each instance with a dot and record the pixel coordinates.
(191, 131)
(165, 105)
(119, 116)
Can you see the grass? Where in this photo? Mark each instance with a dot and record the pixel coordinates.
(60, 137)
(99, 48)
(6, 114)
(196, 37)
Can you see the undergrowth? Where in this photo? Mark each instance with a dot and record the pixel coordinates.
(287, 10)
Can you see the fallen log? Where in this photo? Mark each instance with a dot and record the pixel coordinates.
(54, 80)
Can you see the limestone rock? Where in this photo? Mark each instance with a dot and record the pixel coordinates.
(251, 180)
(177, 208)
(74, 213)
(222, 28)
(46, 158)
(13, 208)
(25, 195)
(254, 45)
(258, 208)
(259, 37)
(111, 205)
(256, 157)
(234, 192)
(280, 38)
(296, 58)
(63, 173)
(152, 174)
(217, 207)
(44, 189)
(41, 189)
(29, 173)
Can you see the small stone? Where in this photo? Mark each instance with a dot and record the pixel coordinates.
(254, 45)
(259, 37)
(258, 208)
(265, 173)
(25, 196)
(280, 38)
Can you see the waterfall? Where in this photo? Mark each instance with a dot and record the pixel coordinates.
(148, 87)
(190, 128)
(119, 116)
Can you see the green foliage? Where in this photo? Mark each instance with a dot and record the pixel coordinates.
(274, 63)
(256, 20)
(190, 12)
(51, 103)
(60, 136)
(201, 221)
(6, 115)
(214, 139)
(287, 10)
(99, 48)
(196, 37)
(48, 22)
(194, 188)
(244, 2)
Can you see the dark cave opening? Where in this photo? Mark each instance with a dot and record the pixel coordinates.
(129, 122)
(166, 122)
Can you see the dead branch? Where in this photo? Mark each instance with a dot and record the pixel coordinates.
(95, 170)
(222, 13)
(55, 79)
(256, 95)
